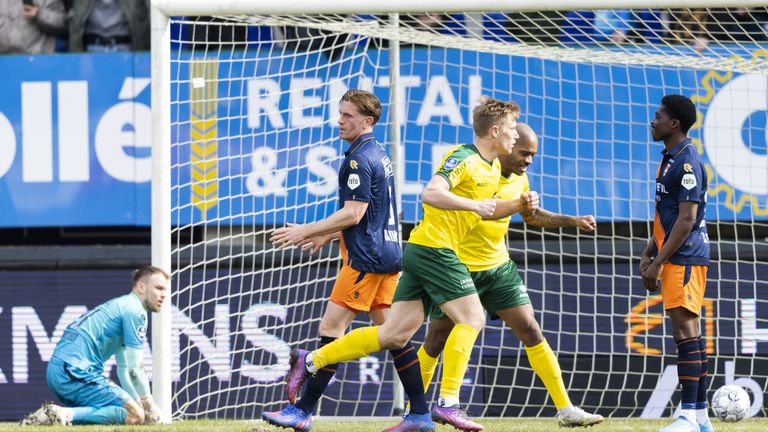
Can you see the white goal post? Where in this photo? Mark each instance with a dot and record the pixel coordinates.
(242, 142)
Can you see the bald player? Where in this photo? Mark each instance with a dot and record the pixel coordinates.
(500, 287)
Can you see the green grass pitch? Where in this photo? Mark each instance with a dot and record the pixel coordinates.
(375, 425)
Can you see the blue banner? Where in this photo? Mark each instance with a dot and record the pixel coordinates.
(256, 141)
(596, 154)
(229, 354)
(75, 138)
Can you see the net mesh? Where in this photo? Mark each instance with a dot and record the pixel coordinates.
(254, 144)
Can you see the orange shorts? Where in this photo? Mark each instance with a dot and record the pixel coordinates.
(683, 286)
(362, 291)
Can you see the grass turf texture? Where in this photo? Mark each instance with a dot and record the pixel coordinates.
(375, 425)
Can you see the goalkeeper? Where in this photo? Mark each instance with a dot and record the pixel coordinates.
(501, 290)
(75, 372)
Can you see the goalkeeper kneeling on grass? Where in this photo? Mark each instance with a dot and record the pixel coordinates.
(75, 372)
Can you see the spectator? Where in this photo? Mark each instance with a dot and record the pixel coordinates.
(109, 25)
(689, 26)
(30, 26)
(612, 25)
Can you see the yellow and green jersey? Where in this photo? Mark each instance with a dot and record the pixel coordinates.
(470, 176)
(485, 246)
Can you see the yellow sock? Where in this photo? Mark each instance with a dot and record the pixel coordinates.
(428, 365)
(355, 344)
(458, 348)
(545, 365)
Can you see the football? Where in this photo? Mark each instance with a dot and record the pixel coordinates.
(730, 403)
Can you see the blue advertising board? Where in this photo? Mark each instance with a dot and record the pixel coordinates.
(75, 133)
(230, 353)
(75, 138)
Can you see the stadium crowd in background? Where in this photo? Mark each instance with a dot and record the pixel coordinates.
(37, 26)
(693, 27)
(47, 26)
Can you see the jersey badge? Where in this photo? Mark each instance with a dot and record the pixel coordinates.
(353, 181)
(689, 181)
(688, 168)
(450, 163)
(353, 164)
(141, 332)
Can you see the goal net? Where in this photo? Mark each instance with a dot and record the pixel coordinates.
(254, 146)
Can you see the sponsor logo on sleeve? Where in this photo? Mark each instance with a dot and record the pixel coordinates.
(689, 181)
(688, 168)
(353, 164)
(353, 181)
(450, 163)
(467, 284)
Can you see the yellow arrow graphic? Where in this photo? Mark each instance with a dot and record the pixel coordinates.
(203, 133)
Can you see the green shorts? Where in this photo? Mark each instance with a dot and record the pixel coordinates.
(432, 275)
(499, 288)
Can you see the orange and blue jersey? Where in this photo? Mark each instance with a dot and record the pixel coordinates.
(681, 177)
(373, 245)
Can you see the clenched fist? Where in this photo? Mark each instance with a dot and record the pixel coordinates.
(529, 200)
(486, 207)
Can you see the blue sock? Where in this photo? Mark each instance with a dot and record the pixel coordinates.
(426, 417)
(105, 415)
(688, 371)
(701, 394)
(317, 383)
(409, 370)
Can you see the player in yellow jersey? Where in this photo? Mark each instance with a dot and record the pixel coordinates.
(501, 290)
(455, 200)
